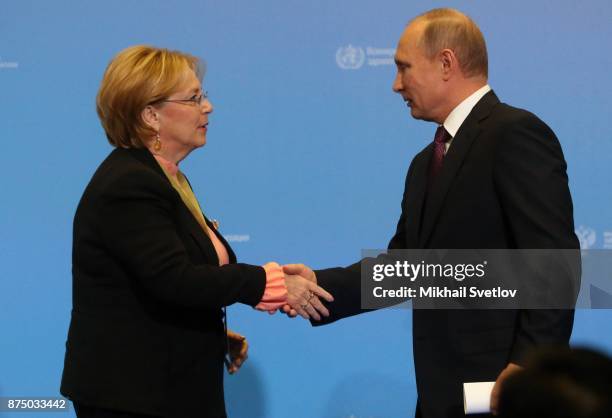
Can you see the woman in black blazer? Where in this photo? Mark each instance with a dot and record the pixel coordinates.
(152, 275)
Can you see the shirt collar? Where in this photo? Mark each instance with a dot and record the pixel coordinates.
(456, 118)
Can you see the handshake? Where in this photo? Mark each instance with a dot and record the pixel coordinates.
(303, 293)
(300, 298)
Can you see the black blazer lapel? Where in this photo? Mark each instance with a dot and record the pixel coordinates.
(230, 252)
(145, 157)
(195, 230)
(453, 160)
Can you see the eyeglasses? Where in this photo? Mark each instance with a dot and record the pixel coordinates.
(196, 100)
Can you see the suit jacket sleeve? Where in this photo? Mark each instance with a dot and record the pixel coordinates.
(136, 224)
(530, 175)
(399, 238)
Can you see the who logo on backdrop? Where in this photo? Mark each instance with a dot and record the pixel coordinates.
(350, 57)
(587, 236)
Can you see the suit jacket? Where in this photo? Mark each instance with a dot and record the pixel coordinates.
(146, 333)
(503, 184)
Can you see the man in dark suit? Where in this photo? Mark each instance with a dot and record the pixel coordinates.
(494, 178)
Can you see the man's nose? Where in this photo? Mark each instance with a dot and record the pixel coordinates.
(397, 84)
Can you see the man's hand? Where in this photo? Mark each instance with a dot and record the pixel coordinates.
(238, 348)
(510, 369)
(303, 293)
(303, 271)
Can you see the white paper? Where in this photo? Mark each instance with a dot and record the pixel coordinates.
(477, 397)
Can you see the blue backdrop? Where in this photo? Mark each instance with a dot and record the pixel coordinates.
(304, 112)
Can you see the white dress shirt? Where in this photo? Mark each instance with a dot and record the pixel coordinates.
(455, 118)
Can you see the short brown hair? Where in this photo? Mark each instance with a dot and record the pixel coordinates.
(135, 78)
(449, 28)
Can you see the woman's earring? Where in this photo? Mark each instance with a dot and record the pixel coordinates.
(157, 144)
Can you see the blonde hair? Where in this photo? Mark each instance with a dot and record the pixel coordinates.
(449, 28)
(137, 77)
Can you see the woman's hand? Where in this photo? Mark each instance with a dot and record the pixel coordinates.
(303, 292)
(238, 347)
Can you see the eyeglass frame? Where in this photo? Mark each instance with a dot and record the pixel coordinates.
(196, 101)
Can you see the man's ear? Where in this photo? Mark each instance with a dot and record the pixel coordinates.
(448, 62)
(150, 116)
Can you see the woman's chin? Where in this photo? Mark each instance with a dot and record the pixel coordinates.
(200, 141)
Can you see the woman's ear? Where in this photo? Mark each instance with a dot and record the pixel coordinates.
(150, 116)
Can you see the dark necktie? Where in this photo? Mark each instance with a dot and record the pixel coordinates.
(440, 140)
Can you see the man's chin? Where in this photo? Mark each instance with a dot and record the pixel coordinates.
(415, 113)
